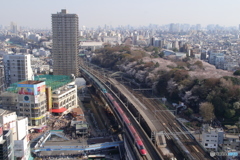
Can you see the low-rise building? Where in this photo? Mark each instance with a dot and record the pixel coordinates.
(212, 137)
(79, 122)
(91, 45)
(33, 99)
(64, 99)
(231, 142)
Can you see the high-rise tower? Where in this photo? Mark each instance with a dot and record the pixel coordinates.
(65, 43)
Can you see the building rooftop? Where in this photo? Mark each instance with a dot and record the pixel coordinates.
(81, 126)
(53, 81)
(30, 82)
(77, 112)
(20, 118)
(10, 94)
(3, 112)
(86, 44)
(62, 91)
(232, 136)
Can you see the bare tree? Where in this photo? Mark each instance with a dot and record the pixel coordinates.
(171, 86)
(207, 111)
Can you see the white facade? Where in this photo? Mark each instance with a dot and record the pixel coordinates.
(41, 52)
(65, 97)
(34, 37)
(92, 45)
(17, 68)
(8, 120)
(22, 127)
(21, 149)
(212, 137)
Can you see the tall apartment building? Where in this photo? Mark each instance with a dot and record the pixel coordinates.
(13, 28)
(65, 43)
(174, 27)
(17, 67)
(2, 79)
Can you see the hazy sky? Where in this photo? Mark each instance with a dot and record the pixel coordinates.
(92, 13)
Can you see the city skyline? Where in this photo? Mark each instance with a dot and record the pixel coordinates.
(135, 13)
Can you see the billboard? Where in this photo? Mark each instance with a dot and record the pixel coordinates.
(1, 131)
(25, 90)
(31, 89)
(41, 89)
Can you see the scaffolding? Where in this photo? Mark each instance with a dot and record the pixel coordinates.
(53, 81)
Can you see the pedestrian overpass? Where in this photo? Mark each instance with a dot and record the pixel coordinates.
(78, 148)
(47, 135)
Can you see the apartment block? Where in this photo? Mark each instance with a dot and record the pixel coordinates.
(65, 36)
(17, 67)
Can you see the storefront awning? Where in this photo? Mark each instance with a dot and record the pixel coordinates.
(60, 110)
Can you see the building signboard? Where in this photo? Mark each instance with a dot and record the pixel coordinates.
(31, 89)
(25, 90)
(1, 131)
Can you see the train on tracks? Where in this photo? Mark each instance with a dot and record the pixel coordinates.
(183, 149)
(138, 141)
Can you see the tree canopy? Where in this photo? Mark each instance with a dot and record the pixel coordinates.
(207, 111)
(237, 73)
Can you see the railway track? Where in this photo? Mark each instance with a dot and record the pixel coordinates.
(152, 153)
(165, 118)
(169, 121)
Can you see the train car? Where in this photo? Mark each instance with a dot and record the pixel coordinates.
(180, 146)
(126, 120)
(103, 89)
(110, 97)
(185, 128)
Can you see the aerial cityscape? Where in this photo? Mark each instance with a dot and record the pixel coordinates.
(108, 80)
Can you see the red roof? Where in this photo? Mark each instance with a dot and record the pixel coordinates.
(60, 110)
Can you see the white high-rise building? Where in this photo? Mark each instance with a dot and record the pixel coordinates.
(65, 36)
(17, 67)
